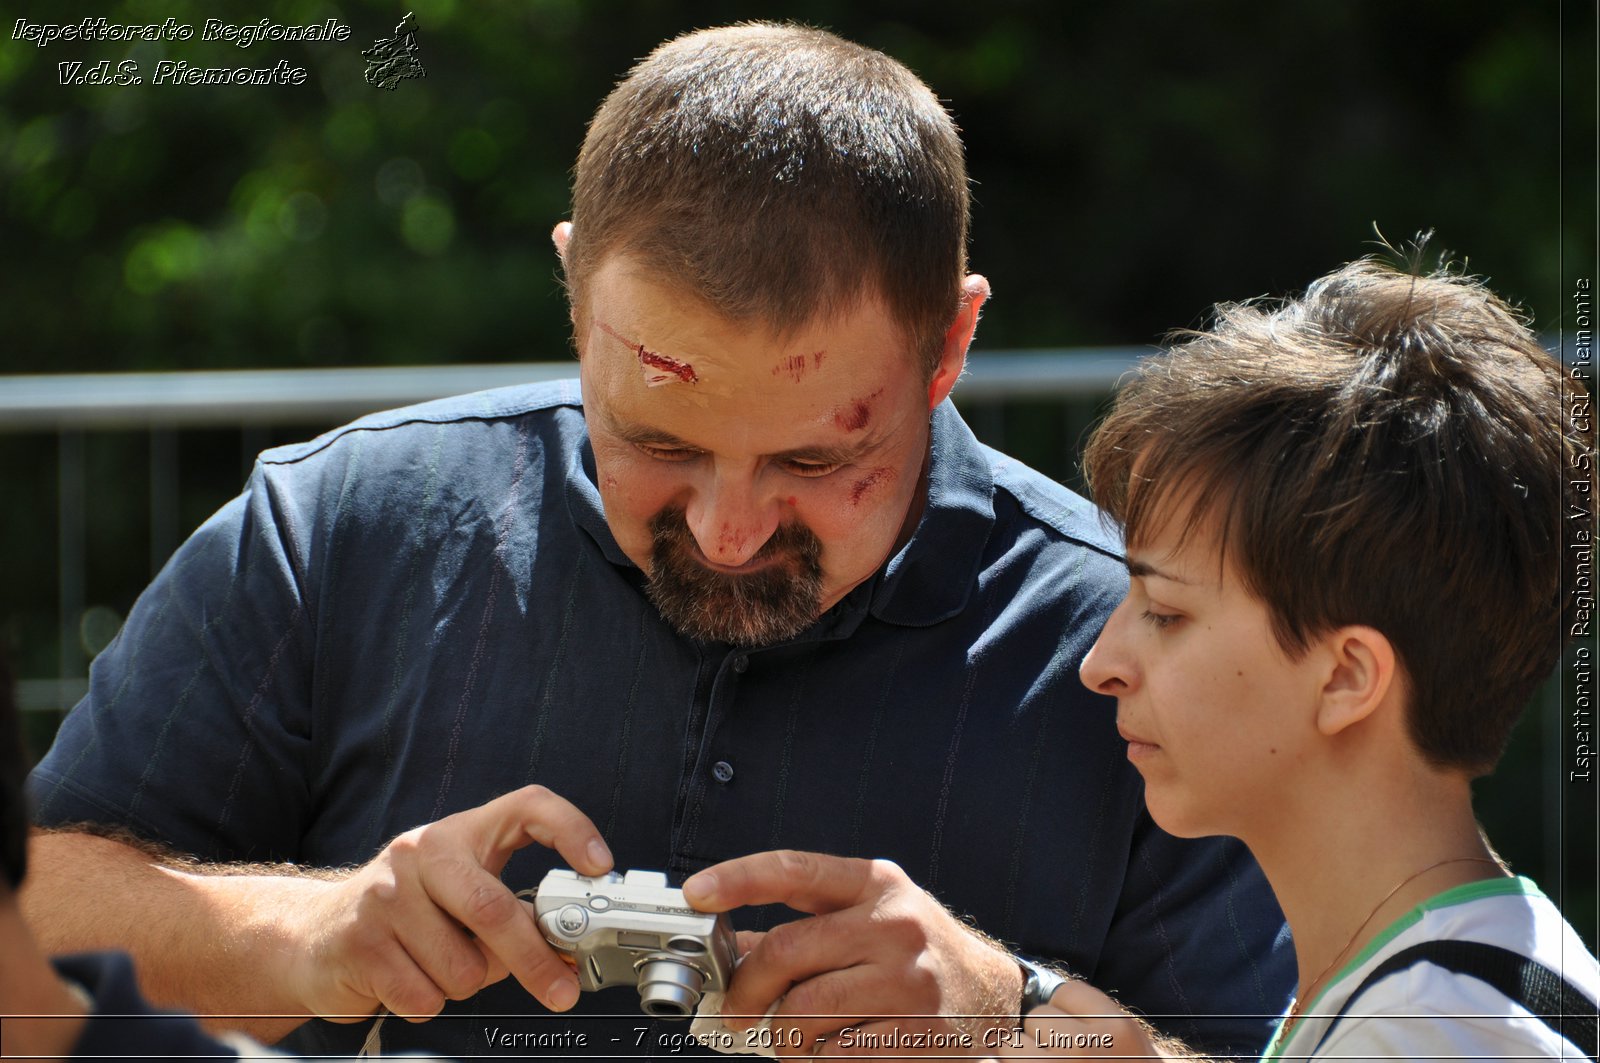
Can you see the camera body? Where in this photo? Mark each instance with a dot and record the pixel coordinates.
(634, 929)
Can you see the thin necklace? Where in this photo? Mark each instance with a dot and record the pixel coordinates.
(1294, 1010)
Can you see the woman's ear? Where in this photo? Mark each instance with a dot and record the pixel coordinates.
(1362, 674)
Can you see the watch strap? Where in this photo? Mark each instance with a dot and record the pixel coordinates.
(1039, 984)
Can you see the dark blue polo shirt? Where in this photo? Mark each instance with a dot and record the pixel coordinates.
(425, 609)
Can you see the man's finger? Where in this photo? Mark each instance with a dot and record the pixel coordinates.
(483, 904)
(806, 882)
(787, 956)
(828, 1008)
(494, 968)
(535, 814)
(402, 987)
(437, 944)
(745, 940)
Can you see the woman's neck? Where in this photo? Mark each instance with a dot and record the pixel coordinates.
(1343, 880)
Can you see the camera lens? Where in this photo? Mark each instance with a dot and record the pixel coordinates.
(669, 989)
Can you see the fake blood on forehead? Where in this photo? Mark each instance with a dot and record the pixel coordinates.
(854, 416)
(795, 366)
(659, 368)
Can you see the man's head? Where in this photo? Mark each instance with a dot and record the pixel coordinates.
(1389, 451)
(765, 263)
(780, 174)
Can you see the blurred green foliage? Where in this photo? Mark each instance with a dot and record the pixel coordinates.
(1132, 163)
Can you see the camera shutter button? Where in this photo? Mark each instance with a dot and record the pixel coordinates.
(571, 920)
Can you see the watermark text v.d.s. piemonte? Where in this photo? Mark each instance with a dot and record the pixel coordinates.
(124, 72)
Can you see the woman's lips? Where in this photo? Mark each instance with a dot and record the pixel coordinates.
(1137, 747)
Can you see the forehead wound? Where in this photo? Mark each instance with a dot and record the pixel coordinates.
(856, 414)
(658, 369)
(796, 366)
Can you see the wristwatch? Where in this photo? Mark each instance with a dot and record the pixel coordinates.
(1039, 984)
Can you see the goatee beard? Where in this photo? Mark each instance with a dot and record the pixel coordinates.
(759, 608)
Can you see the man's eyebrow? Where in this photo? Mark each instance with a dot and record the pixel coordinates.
(644, 435)
(823, 454)
(1140, 568)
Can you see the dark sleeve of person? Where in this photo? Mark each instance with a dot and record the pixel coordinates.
(124, 1025)
(196, 726)
(1198, 943)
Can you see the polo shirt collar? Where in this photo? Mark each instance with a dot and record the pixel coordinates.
(583, 500)
(932, 575)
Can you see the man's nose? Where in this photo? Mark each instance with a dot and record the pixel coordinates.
(1107, 667)
(731, 520)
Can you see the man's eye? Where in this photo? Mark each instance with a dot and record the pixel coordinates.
(809, 468)
(666, 453)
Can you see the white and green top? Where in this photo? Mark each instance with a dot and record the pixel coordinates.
(1427, 1012)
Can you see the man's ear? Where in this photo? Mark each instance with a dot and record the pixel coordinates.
(957, 338)
(559, 236)
(1363, 675)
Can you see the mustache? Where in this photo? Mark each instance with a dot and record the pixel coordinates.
(669, 529)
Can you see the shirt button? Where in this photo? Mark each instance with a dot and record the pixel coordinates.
(722, 771)
(740, 664)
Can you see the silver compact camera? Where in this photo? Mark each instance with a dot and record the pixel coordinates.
(634, 929)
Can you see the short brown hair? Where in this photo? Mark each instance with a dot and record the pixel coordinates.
(1389, 450)
(779, 173)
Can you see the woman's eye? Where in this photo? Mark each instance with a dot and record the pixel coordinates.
(1162, 621)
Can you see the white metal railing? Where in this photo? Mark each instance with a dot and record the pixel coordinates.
(242, 397)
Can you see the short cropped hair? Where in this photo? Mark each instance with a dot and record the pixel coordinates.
(779, 173)
(1388, 450)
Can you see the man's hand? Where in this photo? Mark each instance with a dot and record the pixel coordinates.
(878, 946)
(428, 919)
